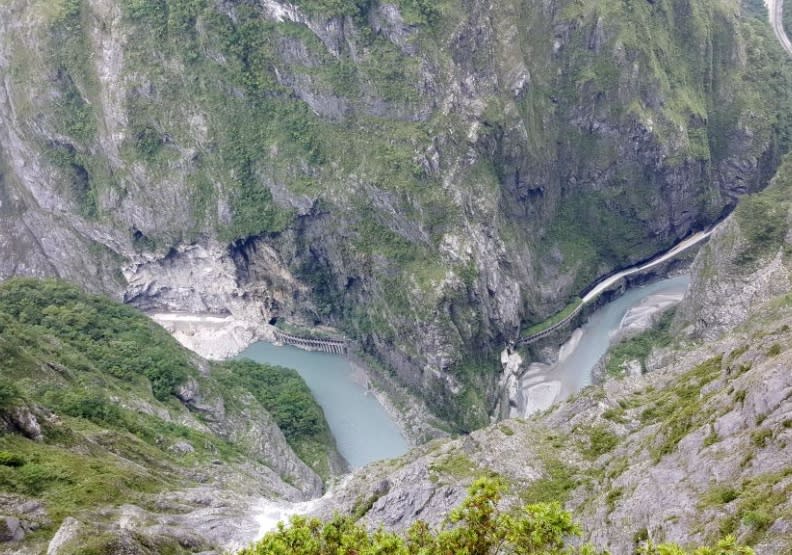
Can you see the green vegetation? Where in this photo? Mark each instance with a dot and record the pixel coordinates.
(415, 12)
(553, 320)
(455, 466)
(763, 218)
(640, 346)
(101, 379)
(615, 414)
(70, 475)
(679, 408)
(600, 441)
(720, 495)
(758, 501)
(88, 334)
(11, 459)
(477, 527)
(9, 393)
(556, 484)
(284, 394)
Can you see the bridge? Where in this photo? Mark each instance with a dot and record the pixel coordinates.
(555, 327)
(608, 282)
(335, 346)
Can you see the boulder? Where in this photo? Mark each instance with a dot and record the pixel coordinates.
(10, 529)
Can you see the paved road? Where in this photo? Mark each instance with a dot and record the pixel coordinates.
(186, 317)
(775, 9)
(683, 245)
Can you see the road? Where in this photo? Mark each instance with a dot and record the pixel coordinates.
(775, 9)
(191, 318)
(681, 246)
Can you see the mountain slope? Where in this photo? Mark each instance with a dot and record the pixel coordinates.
(105, 419)
(429, 177)
(697, 448)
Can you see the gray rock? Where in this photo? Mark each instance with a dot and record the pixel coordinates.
(11, 529)
(24, 420)
(69, 531)
(182, 448)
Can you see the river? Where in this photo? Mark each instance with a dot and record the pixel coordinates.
(542, 385)
(363, 430)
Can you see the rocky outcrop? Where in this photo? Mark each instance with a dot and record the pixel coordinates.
(745, 265)
(199, 520)
(721, 298)
(21, 419)
(250, 427)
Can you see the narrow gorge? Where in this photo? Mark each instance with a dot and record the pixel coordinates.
(544, 241)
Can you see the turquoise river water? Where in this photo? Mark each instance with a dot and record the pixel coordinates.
(365, 432)
(574, 372)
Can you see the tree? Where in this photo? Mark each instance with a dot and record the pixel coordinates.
(477, 527)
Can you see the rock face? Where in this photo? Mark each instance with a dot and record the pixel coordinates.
(230, 308)
(23, 420)
(10, 529)
(720, 297)
(198, 520)
(697, 448)
(429, 180)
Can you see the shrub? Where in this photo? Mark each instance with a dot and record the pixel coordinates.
(760, 437)
(476, 527)
(9, 394)
(601, 441)
(90, 406)
(11, 459)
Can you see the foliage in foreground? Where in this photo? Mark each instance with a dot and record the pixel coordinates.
(477, 527)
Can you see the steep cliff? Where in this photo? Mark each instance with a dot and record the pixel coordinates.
(428, 176)
(698, 447)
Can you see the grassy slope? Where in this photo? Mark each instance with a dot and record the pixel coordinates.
(89, 367)
(763, 219)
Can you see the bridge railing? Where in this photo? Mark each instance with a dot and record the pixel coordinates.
(335, 346)
(668, 255)
(555, 327)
